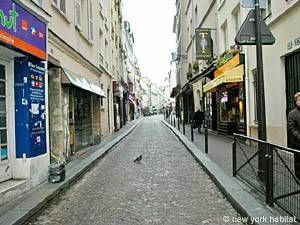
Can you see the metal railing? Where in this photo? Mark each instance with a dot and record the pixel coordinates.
(270, 170)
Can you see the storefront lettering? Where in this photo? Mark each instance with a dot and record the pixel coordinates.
(12, 21)
(292, 44)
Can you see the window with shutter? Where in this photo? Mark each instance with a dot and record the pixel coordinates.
(63, 6)
(90, 21)
(78, 13)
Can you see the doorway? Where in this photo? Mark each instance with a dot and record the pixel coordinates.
(292, 72)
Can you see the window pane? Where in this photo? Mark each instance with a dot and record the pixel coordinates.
(3, 152)
(2, 88)
(2, 105)
(63, 6)
(2, 72)
(3, 136)
(2, 120)
(78, 13)
(91, 10)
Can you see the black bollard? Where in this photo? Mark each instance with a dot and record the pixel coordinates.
(183, 127)
(174, 122)
(178, 121)
(192, 131)
(206, 137)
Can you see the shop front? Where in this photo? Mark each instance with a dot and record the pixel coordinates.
(205, 102)
(74, 104)
(229, 91)
(187, 102)
(23, 102)
(118, 92)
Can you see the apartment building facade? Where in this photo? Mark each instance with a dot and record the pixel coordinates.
(24, 137)
(231, 103)
(281, 70)
(58, 61)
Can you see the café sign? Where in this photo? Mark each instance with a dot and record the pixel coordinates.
(22, 30)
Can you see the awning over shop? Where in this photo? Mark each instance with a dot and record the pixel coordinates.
(132, 99)
(234, 75)
(175, 91)
(83, 83)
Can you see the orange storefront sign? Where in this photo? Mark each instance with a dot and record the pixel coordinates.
(235, 61)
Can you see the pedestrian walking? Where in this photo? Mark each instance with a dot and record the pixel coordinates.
(294, 133)
(198, 118)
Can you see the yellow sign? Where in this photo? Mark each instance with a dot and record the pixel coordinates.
(234, 75)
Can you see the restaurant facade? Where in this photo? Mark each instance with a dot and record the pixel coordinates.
(225, 95)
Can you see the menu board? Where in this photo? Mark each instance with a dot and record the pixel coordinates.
(30, 107)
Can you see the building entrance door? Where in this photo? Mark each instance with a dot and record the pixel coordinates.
(292, 70)
(5, 167)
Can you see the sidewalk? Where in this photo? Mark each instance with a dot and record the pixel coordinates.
(22, 208)
(237, 193)
(219, 146)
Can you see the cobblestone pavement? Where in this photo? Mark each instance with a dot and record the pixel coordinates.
(168, 187)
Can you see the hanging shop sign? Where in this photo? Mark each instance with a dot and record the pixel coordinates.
(203, 44)
(22, 30)
(30, 107)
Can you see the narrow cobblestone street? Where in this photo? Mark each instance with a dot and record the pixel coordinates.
(168, 187)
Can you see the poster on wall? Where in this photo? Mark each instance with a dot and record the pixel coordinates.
(30, 107)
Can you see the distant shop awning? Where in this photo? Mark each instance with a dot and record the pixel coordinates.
(234, 75)
(132, 99)
(83, 83)
(175, 91)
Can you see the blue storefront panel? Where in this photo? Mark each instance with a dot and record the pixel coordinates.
(30, 107)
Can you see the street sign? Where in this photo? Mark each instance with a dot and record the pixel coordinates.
(251, 4)
(247, 32)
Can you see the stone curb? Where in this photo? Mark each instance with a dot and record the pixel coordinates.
(244, 203)
(27, 208)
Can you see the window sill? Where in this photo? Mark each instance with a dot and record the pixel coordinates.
(90, 42)
(61, 13)
(78, 28)
(253, 125)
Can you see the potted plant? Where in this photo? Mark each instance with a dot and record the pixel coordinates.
(196, 66)
(189, 75)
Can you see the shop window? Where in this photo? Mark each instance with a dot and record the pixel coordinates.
(83, 121)
(229, 105)
(3, 124)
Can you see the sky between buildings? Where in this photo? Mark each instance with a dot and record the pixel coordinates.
(152, 24)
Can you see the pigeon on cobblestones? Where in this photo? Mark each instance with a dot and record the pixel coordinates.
(138, 159)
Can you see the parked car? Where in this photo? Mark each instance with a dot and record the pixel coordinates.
(147, 113)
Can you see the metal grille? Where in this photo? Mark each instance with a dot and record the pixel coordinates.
(286, 186)
(247, 153)
(279, 180)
